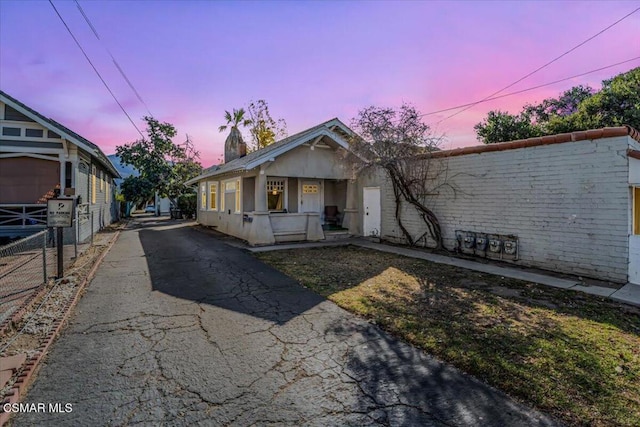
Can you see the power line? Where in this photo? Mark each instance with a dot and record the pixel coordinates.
(115, 63)
(528, 89)
(94, 68)
(545, 65)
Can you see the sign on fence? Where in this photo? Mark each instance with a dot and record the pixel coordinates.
(59, 212)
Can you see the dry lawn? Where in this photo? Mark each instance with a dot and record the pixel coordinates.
(574, 356)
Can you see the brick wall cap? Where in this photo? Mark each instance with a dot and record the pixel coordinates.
(593, 134)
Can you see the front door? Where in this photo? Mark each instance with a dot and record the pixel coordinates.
(310, 200)
(371, 222)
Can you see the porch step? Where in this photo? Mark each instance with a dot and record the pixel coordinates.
(336, 235)
(289, 233)
(290, 236)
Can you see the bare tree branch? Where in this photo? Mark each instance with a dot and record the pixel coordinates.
(399, 142)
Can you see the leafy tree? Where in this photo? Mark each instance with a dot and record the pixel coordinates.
(184, 168)
(616, 104)
(579, 108)
(501, 126)
(163, 165)
(263, 128)
(136, 189)
(235, 120)
(393, 139)
(567, 103)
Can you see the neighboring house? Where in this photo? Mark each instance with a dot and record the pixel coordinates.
(279, 193)
(568, 203)
(162, 204)
(39, 159)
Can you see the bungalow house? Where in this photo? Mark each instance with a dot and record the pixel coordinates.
(40, 159)
(568, 203)
(286, 191)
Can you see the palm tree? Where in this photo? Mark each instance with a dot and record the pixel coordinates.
(234, 120)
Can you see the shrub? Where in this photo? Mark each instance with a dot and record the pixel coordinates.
(187, 205)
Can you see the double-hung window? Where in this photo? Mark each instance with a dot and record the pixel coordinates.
(232, 187)
(203, 197)
(213, 196)
(94, 172)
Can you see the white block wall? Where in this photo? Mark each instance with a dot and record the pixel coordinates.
(568, 204)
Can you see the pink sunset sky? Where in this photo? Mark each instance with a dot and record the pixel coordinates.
(311, 61)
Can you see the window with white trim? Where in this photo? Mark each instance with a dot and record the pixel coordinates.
(233, 187)
(101, 181)
(276, 194)
(213, 196)
(94, 172)
(203, 197)
(238, 198)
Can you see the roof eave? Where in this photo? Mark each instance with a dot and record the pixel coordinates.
(295, 143)
(211, 175)
(61, 132)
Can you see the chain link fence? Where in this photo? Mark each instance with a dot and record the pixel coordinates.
(28, 263)
(23, 268)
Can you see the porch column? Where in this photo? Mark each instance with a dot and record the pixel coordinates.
(63, 169)
(350, 220)
(260, 195)
(260, 231)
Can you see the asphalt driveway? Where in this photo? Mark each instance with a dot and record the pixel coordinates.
(178, 328)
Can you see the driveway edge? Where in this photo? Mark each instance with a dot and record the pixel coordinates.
(31, 365)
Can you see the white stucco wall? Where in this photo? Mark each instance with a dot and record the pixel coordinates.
(321, 162)
(568, 204)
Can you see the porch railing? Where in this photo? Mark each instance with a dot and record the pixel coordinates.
(24, 216)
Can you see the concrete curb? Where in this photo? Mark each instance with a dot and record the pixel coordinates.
(20, 386)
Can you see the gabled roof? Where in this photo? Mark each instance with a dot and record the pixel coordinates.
(63, 131)
(334, 129)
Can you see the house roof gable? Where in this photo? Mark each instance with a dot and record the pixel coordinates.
(334, 129)
(62, 130)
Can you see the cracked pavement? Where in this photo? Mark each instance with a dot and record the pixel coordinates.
(178, 328)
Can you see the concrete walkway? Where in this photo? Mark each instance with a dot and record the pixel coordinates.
(629, 294)
(178, 328)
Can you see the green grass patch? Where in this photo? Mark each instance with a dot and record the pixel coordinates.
(572, 355)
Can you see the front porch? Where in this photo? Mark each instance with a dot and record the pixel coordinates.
(293, 209)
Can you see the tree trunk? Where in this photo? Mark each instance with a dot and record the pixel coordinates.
(403, 191)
